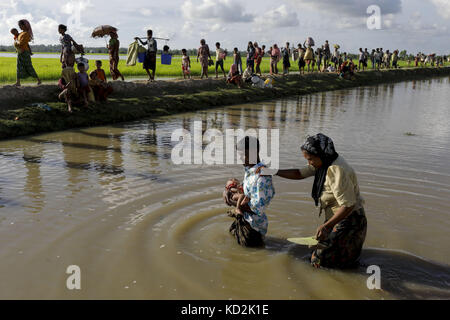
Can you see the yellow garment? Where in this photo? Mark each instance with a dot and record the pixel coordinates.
(132, 53)
(22, 41)
(69, 75)
(309, 55)
(340, 189)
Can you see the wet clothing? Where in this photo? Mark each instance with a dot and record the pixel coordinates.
(344, 243)
(339, 189)
(260, 191)
(335, 186)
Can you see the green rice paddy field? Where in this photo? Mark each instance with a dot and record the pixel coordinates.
(49, 69)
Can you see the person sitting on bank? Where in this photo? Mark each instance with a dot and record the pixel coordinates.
(234, 76)
(248, 74)
(83, 81)
(99, 84)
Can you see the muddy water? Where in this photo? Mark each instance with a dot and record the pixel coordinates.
(109, 200)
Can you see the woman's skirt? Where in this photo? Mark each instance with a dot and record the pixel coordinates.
(150, 61)
(245, 235)
(343, 245)
(24, 66)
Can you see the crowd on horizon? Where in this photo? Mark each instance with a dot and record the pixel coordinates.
(81, 88)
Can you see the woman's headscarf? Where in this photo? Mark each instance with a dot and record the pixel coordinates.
(27, 27)
(321, 146)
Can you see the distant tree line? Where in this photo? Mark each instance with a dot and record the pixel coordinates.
(403, 55)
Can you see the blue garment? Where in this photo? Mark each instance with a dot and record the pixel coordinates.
(260, 191)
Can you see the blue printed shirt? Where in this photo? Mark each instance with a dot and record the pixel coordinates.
(260, 191)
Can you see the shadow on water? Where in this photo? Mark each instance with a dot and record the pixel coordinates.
(403, 274)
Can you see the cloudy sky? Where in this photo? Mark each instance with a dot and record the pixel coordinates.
(414, 25)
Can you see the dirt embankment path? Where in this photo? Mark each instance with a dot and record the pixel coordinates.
(134, 100)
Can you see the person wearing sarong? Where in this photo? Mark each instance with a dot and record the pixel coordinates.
(150, 55)
(203, 55)
(67, 55)
(336, 193)
(250, 227)
(113, 49)
(24, 65)
(275, 57)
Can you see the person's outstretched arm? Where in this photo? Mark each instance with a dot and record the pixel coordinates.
(293, 174)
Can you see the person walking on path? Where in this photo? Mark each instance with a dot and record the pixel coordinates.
(67, 58)
(259, 53)
(220, 57)
(204, 56)
(286, 53)
(251, 56)
(150, 56)
(24, 65)
(275, 56)
(113, 49)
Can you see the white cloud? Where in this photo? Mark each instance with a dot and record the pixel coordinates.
(443, 7)
(216, 10)
(281, 17)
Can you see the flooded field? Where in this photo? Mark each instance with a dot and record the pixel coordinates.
(110, 200)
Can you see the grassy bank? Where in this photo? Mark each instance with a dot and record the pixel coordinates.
(49, 69)
(143, 102)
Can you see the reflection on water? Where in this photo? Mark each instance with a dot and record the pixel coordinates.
(110, 200)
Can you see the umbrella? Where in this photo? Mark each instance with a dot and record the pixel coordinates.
(102, 31)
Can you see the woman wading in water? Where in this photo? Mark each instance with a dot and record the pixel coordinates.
(250, 225)
(336, 192)
(24, 66)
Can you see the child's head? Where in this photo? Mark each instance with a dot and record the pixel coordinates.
(62, 29)
(263, 47)
(98, 64)
(149, 33)
(235, 50)
(93, 75)
(232, 183)
(14, 32)
(217, 45)
(81, 67)
(184, 52)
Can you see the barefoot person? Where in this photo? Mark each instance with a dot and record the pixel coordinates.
(24, 66)
(150, 56)
(336, 192)
(204, 56)
(67, 57)
(113, 49)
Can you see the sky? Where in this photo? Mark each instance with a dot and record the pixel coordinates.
(412, 25)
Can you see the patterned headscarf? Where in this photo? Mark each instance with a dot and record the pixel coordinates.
(27, 27)
(321, 146)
